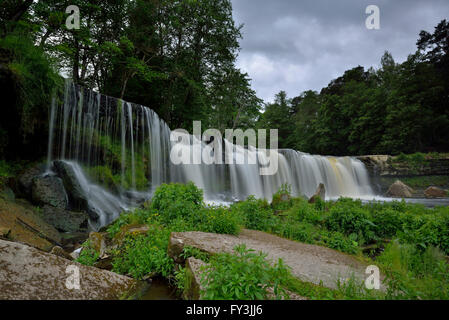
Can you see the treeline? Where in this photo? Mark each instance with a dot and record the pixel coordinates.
(396, 108)
(175, 56)
(178, 58)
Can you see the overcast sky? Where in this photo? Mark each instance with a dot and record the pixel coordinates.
(297, 45)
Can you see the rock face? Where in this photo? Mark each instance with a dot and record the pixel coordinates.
(24, 225)
(308, 263)
(434, 192)
(27, 273)
(77, 197)
(400, 190)
(385, 165)
(319, 193)
(49, 190)
(65, 221)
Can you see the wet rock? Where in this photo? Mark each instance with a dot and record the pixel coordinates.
(26, 225)
(319, 193)
(28, 273)
(7, 194)
(435, 192)
(400, 190)
(77, 197)
(49, 190)
(64, 220)
(308, 263)
(25, 179)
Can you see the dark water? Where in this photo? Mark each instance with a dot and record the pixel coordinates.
(160, 289)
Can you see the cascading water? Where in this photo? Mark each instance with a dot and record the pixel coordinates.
(125, 148)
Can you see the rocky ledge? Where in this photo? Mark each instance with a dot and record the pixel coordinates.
(27, 273)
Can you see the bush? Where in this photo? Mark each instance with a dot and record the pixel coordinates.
(142, 255)
(256, 214)
(351, 218)
(177, 200)
(245, 275)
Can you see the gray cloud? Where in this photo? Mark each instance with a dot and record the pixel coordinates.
(297, 45)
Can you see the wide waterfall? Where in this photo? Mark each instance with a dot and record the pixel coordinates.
(124, 148)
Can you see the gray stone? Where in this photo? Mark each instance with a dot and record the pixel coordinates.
(319, 193)
(77, 197)
(49, 190)
(400, 190)
(25, 179)
(29, 274)
(64, 220)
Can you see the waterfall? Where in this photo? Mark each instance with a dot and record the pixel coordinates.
(120, 151)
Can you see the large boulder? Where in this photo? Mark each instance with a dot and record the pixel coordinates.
(75, 191)
(309, 263)
(435, 192)
(64, 220)
(30, 274)
(25, 179)
(400, 190)
(21, 222)
(319, 193)
(49, 190)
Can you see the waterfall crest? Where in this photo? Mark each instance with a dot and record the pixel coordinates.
(125, 148)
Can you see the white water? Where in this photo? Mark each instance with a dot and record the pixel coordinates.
(86, 120)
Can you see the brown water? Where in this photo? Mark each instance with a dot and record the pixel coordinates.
(160, 289)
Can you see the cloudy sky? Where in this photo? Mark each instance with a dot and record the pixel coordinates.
(297, 45)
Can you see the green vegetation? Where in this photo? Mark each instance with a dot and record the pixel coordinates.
(243, 275)
(88, 255)
(408, 242)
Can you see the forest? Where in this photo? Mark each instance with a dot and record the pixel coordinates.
(179, 58)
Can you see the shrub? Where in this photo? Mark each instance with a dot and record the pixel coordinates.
(245, 275)
(255, 214)
(177, 200)
(88, 255)
(142, 255)
(351, 218)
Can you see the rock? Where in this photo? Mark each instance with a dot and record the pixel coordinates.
(49, 190)
(4, 232)
(7, 194)
(65, 221)
(30, 274)
(319, 193)
(25, 179)
(77, 196)
(309, 263)
(194, 288)
(400, 190)
(97, 241)
(61, 253)
(25, 225)
(131, 229)
(434, 192)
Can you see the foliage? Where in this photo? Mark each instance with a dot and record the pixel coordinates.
(88, 255)
(245, 275)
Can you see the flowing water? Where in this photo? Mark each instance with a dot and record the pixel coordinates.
(120, 152)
